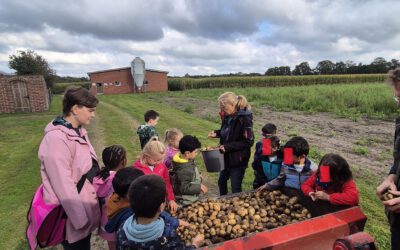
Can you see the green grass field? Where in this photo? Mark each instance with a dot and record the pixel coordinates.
(21, 134)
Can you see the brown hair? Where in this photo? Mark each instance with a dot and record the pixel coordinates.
(237, 100)
(78, 96)
(393, 77)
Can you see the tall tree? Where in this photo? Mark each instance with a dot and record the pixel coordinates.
(302, 69)
(325, 67)
(29, 63)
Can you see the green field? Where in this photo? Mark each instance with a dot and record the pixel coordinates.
(116, 122)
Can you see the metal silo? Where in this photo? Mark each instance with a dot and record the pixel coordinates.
(138, 71)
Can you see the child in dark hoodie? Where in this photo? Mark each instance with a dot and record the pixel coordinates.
(149, 227)
(118, 209)
(186, 179)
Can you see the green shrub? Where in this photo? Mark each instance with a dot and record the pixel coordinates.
(59, 88)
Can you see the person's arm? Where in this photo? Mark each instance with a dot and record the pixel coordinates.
(57, 160)
(248, 137)
(170, 191)
(278, 181)
(388, 183)
(309, 185)
(186, 187)
(174, 222)
(348, 196)
(257, 158)
(393, 169)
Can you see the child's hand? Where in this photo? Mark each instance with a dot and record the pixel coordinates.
(321, 195)
(203, 188)
(262, 188)
(212, 134)
(183, 223)
(312, 196)
(173, 207)
(198, 241)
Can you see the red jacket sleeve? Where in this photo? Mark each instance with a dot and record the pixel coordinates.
(348, 196)
(170, 191)
(309, 185)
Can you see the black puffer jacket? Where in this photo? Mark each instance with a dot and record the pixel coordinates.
(236, 134)
(394, 218)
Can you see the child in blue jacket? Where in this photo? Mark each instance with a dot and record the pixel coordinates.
(268, 160)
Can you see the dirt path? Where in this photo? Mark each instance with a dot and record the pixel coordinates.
(364, 143)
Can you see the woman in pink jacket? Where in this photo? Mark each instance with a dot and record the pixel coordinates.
(66, 155)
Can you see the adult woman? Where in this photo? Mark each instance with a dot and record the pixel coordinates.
(236, 138)
(392, 182)
(68, 160)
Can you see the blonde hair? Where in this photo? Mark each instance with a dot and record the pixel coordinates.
(393, 77)
(171, 134)
(237, 100)
(153, 147)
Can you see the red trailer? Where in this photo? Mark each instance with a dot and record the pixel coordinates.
(328, 224)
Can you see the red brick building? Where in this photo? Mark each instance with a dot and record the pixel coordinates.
(120, 81)
(23, 94)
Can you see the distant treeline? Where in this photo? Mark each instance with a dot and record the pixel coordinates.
(63, 79)
(326, 67)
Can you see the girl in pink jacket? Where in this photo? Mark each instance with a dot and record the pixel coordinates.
(151, 162)
(114, 159)
(172, 138)
(66, 155)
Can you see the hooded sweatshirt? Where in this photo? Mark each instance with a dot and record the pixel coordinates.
(186, 180)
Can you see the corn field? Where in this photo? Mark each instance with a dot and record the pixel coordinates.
(176, 84)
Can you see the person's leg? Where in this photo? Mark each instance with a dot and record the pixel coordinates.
(395, 237)
(223, 181)
(83, 244)
(237, 175)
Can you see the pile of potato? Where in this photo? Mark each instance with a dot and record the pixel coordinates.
(228, 218)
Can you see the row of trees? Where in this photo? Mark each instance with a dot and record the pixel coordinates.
(327, 67)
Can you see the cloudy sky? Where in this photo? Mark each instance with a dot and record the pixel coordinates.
(199, 36)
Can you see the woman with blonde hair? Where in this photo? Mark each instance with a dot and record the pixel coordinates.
(236, 139)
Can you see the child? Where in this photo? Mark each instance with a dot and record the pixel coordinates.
(148, 130)
(118, 209)
(114, 159)
(338, 187)
(186, 177)
(296, 169)
(150, 227)
(172, 138)
(150, 162)
(268, 160)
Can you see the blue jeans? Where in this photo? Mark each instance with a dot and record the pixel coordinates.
(236, 175)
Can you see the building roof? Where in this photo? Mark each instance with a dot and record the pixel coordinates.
(117, 69)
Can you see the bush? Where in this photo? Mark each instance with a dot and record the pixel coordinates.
(59, 88)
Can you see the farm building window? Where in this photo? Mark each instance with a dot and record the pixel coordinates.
(117, 83)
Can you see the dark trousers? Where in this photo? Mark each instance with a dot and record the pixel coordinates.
(83, 244)
(395, 237)
(236, 175)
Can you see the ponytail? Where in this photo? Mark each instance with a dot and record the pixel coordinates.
(242, 103)
(112, 158)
